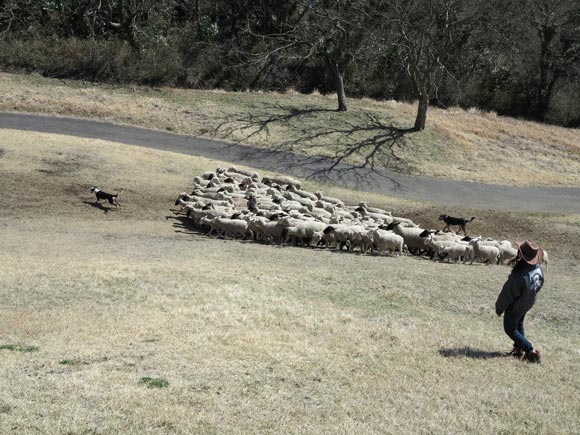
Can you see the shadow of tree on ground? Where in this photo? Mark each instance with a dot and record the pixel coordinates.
(356, 146)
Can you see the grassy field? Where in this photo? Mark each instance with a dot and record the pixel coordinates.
(129, 322)
(458, 144)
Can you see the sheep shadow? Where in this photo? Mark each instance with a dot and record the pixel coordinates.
(469, 352)
(185, 225)
(99, 206)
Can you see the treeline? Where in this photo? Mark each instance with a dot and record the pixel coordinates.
(519, 57)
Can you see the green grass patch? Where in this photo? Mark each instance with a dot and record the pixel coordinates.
(154, 382)
(19, 348)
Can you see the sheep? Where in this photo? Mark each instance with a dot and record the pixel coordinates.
(384, 217)
(251, 174)
(261, 203)
(346, 235)
(328, 199)
(184, 199)
(297, 198)
(220, 196)
(293, 205)
(545, 260)
(331, 208)
(412, 238)
(319, 213)
(216, 202)
(197, 214)
(457, 251)
(487, 254)
(437, 246)
(208, 175)
(507, 254)
(363, 205)
(282, 180)
(319, 236)
(343, 213)
(302, 232)
(265, 229)
(234, 202)
(358, 237)
(213, 189)
(225, 226)
(302, 193)
(213, 182)
(387, 241)
(439, 236)
(407, 222)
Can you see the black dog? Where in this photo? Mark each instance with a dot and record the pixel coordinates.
(454, 221)
(112, 199)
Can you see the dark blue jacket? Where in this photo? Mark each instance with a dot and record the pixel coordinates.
(519, 292)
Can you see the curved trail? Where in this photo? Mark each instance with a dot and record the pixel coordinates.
(434, 190)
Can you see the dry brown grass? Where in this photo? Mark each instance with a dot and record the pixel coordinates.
(253, 338)
(458, 144)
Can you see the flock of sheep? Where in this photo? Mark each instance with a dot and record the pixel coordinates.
(231, 202)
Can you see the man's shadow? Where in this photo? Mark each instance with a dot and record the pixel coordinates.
(469, 352)
(99, 206)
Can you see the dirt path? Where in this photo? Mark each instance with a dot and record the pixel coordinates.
(448, 192)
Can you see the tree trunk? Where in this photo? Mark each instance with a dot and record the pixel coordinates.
(421, 118)
(339, 78)
(547, 77)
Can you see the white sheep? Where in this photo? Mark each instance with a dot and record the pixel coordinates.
(225, 226)
(387, 241)
(253, 175)
(346, 235)
(458, 251)
(282, 180)
(364, 206)
(507, 254)
(303, 193)
(487, 254)
(302, 232)
(329, 199)
(412, 236)
(545, 260)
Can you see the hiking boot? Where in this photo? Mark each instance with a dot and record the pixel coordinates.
(532, 356)
(516, 353)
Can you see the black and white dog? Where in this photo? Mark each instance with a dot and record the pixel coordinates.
(455, 221)
(112, 199)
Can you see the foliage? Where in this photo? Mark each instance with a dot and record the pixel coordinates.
(520, 58)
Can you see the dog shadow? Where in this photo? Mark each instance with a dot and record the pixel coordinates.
(99, 206)
(469, 352)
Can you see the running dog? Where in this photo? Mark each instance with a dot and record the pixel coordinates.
(455, 221)
(112, 199)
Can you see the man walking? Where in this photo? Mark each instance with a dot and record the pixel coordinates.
(518, 296)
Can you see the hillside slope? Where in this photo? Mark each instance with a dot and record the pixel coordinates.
(458, 144)
(130, 321)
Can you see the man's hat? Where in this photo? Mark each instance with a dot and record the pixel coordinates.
(530, 252)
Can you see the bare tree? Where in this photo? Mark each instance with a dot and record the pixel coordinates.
(426, 34)
(331, 31)
(126, 17)
(550, 18)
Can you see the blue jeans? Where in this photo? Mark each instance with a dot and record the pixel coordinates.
(513, 326)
